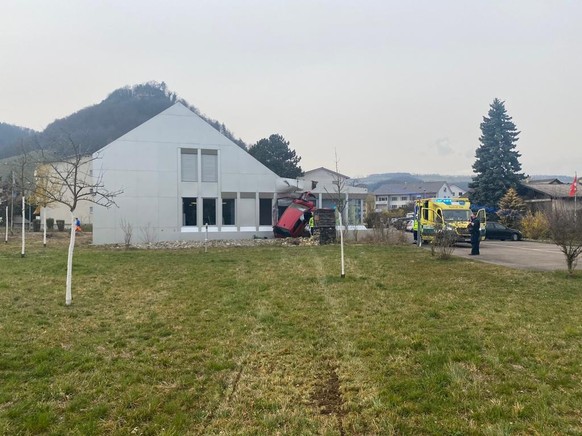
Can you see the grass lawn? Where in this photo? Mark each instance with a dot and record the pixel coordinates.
(267, 340)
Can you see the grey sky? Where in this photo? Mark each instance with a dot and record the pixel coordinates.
(391, 85)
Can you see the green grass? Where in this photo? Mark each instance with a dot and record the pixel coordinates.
(269, 340)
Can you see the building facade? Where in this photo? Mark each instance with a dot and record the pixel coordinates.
(332, 188)
(397, 195)
(183, 180)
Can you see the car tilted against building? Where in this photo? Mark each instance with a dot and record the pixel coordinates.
(293, 221)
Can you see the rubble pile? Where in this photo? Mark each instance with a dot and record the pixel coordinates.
(178, 245)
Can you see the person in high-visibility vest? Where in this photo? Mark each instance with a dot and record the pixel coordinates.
(415, 229)
(311, 224)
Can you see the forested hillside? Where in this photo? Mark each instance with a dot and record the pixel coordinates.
(95, 126)
(10, 134)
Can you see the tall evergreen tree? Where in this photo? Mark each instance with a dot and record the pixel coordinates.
(275, 154)
(497, 166)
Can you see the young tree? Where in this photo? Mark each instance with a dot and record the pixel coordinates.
(23, 186)
(566, 232)
(69, 180)
(511, 208)
(276, 155)
(497, 166)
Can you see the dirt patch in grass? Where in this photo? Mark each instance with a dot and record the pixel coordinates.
(327, 396)
(53, 238)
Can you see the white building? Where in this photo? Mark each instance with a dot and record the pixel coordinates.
(59, 211)
(396, 195)
(182, 179)
(326, 192)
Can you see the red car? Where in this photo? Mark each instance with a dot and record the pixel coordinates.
(296, 217)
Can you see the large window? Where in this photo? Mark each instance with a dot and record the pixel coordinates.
(189, 163)
(228, 211)
(189, 211)
(209, 211)
(209, 166)
(265, 212)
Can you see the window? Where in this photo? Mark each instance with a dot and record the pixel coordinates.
(189, 163)
(209, 166)
(189, 211)
(265, 212)
(394, 198)
(228, 211)
(404, 198)
(209, 211)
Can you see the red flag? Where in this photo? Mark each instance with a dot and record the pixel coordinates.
(574, 186)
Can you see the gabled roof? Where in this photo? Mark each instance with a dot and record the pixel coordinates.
(334, 173)
(553, 190)
(178, 126)
(545, 182)
(413, 188)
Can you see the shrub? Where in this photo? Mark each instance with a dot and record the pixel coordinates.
(535, 226)
(50, 223)
(443, 243)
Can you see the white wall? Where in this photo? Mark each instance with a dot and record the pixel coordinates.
(146, 164)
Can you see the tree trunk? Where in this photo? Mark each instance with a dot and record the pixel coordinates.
(23, 228)
(68, 293)
(43, 214)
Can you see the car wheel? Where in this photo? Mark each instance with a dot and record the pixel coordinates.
(515, 237)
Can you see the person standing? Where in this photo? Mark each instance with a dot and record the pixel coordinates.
(475, 231)
(311, 224)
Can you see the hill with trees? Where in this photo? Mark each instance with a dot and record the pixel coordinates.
(11, 134)
(96, 126)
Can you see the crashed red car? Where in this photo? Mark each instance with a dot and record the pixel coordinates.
(293, 221)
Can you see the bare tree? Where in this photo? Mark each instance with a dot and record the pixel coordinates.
(566, 232)
(443, 243)
(68, 181)
(127, 229)
(148, 235)
(339, 200)
(23, 184)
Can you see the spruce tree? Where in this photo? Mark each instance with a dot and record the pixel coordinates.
(497, 166)
(511, 208)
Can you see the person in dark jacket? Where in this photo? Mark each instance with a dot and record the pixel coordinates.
(475, 230)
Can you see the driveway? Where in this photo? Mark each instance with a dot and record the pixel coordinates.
(519, 254)
(538, 256)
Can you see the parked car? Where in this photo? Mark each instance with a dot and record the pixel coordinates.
(501, 232)
(409, 225)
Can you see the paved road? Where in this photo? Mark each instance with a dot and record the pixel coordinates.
(519, 254)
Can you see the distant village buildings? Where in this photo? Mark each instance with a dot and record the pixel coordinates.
(396, 195)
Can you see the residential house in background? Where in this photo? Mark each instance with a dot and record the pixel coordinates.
(330, 186)
(59, 211)
(458, 191)
(183, 180)
(544, 194)
(396, 195)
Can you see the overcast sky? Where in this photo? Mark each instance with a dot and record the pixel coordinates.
(387, 85)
